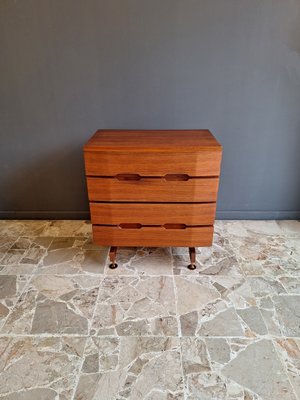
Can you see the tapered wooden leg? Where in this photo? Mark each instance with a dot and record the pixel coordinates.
(192, 252)
(112, 257)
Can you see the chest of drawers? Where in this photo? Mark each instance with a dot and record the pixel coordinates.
(152, 188)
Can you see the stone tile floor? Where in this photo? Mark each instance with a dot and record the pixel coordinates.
(71, 328)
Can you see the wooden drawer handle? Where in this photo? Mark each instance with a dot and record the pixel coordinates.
(139, 226)
(137, 177)
(130, 226)
(174, 226)
(176, 177)
(128, 177)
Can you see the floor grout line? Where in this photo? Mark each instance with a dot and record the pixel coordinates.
(87, 338)
(243, 276)
(285, 368)
(18, 298)
(185, 394)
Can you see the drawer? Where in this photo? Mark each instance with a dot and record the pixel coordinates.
(153, 236)
(152, 214)
(103, 163)
(153, 189)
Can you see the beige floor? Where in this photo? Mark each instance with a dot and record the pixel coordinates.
(70, 328)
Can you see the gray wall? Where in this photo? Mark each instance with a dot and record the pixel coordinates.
(68, 67)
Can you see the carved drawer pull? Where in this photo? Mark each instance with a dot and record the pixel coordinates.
(139, 226)
(130, 226)
(137, 177)
(128, 177)
(176, 177)
(174, 226)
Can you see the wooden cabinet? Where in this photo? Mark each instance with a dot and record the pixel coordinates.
(152, 188)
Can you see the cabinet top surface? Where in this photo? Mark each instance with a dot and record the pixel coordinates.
(152, 140)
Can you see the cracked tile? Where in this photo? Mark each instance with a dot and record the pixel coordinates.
(54, 305)
(61, 243)
(199, 292)
(254, 320)
(242, 369)
(134, 368)
(218, 349)
(228, 330)
(11, 288)
(289, 351)
(18, 228)
(136, 306)
(39, 368)
(225, 323)
(288, 313)
(262, 254)
(278, 303)
(142, 261)
(71, 255)
(220, 259)
(12, 256)
(68, 228)
(262, 286)
(206, 386)
(259, 369)
(195, 357)
(22, 243)
(202, 376)
(290, 284)
(24, 255)
(6, 242)
(209, 307)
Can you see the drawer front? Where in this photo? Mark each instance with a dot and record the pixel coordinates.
(153, 189)
(204, 163)
(153, 236)
(152, 214)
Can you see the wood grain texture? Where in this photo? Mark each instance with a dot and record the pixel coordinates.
(153, 214)
(153, 236)
(153, 190)
(153, 140)
(206, 163)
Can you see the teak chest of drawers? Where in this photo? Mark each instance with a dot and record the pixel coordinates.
(152, 188)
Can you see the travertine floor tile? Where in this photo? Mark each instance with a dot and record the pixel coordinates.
(11, 288)
(73, 329)
(18, 228)
(12, 256)
(136, 306)
(287, 309)
(289, 352)
(54, 305)
(134, 368)
(37, 368)
(290, 228)
(290, 284)
(6, 242)
(67, 228)
(245, 228)
(24, 254)
(220, 259)
(235, 369)
(278, 300)
(259, 368)
(267, 255)
(73, 255)
(142, 261)
(207, 306)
